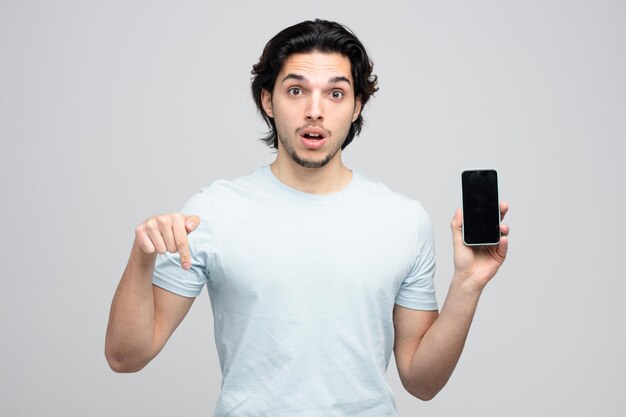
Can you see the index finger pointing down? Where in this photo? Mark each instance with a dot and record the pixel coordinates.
(180, 236)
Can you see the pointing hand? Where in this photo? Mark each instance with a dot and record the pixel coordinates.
(167, 233)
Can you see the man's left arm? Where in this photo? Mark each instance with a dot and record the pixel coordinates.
(427, 344)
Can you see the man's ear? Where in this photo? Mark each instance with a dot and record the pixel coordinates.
(266, 102)
(357, 108)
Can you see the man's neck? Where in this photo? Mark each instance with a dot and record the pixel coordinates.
(329, 179)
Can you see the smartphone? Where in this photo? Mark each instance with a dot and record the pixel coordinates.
(481, 207)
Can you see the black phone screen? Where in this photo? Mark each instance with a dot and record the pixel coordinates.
(481, 207)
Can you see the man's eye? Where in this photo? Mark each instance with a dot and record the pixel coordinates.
(336, 94)
(295, 91)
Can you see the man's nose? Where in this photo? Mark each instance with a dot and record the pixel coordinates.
(314, 109)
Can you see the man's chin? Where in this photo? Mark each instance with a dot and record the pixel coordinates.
(320, 160)
(312, 164)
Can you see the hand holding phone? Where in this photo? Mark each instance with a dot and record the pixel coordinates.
(479, 238)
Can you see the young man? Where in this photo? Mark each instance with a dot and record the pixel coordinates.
(314, 272)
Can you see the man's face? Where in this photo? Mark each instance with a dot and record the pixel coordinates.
(313, 106)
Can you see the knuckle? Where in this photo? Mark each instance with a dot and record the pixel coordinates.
(146, 247)
(150, 224)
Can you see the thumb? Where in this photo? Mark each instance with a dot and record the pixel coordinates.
(191, 222)
(503, 247)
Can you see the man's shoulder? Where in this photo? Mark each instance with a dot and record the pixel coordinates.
(238, 185)
(378, 190)
(231, 191)
(393, 209)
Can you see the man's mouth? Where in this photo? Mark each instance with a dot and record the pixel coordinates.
(313, 133)
(313, 137)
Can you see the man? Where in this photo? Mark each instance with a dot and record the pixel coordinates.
(314, 272)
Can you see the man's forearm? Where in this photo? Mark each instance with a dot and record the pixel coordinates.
(130, 332)
(440, 348)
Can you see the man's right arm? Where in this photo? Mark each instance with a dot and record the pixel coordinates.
(144, 316)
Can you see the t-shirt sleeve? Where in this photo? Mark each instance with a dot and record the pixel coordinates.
(168, 272)
(417, 290)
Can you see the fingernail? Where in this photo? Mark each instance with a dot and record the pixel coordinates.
(186, 265)
(192, 224)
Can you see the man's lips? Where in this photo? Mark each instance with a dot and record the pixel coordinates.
(314, 133)
(312, 143)
(313, 137)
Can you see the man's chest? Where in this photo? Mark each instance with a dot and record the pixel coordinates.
(315, 255)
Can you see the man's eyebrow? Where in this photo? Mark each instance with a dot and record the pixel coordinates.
(338, 79)
(291, 76)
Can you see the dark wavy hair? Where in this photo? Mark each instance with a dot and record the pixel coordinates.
(313, 36)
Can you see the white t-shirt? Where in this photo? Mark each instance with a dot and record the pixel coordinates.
(302, 288)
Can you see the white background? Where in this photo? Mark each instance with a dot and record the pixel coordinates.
(113, 111)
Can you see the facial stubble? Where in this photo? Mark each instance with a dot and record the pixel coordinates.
(305, 162)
